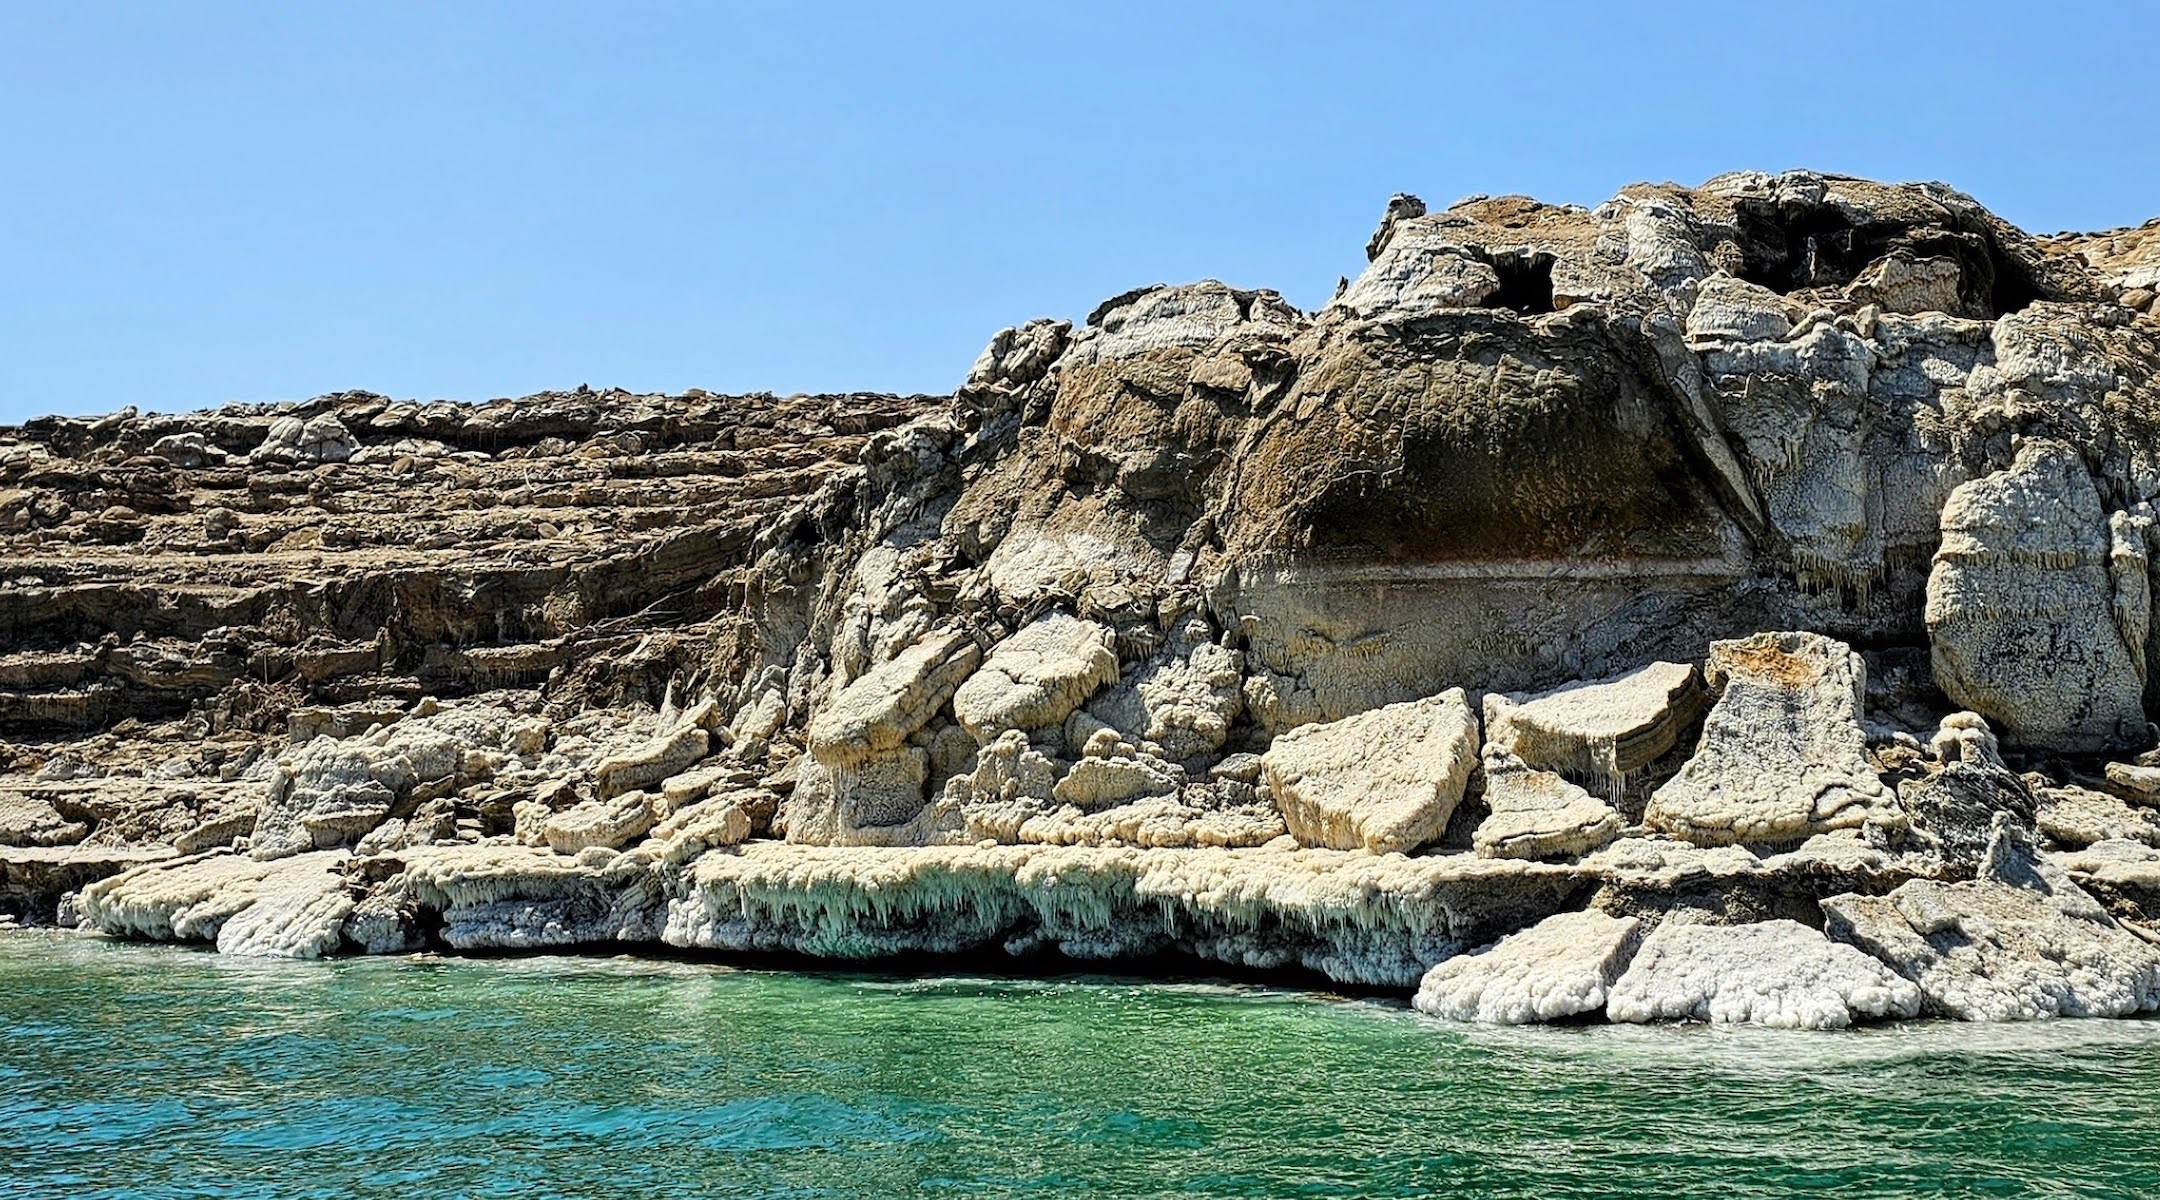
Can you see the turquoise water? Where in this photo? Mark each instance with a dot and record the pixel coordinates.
(154, 1072)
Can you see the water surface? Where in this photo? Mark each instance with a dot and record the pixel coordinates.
(158, 1072)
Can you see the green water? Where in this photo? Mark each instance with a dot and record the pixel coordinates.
(151, 1072)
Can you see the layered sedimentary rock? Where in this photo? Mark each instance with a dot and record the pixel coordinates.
(1707, 569)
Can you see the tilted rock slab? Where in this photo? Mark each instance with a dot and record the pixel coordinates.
(2022, 606)
(1776, 973)
(1602, 730)
(1037, 677)
(1385, 780)
(861, 783)
(2019, 943)
(1561, 967)
(1782, 754)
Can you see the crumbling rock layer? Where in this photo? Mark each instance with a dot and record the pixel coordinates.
(1697, 600)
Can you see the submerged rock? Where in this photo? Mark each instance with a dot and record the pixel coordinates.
(1777, 973)
(1564, 966)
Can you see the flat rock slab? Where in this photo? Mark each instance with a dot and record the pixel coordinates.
(1776, 973)
(1561, 967)
(1782, 755)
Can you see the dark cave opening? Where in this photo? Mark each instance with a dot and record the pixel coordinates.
(1525, 283)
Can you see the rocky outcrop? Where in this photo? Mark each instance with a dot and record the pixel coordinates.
(1792, 533)
(2021, 942)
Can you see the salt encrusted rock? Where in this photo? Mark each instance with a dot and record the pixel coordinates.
(1163, 822)
(1561, 967)
(302, 901)
(877, 711)
(492, 897)
(724, 820)
(1953, 809)
(1354, 917)
(1782, 754)
(611, 823)
(1730, 309)
(652, 762)
(1112, 773)
(2139, 783)
(1602, 730)
(1538, 814)
(27, 820)
(1778, 973)
(2078, 817)
(2022, 612)
(1180, 703)
(300, 922)
(331, 792)
(2020, 942)
(1037, 677)
(1385, 780)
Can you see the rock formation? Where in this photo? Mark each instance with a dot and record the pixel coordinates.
(1696, 607)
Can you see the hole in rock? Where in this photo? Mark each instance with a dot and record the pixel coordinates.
(1525, 283)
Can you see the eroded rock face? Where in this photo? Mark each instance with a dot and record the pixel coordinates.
(2023, 611)
(1386, 780)
(1782, 755)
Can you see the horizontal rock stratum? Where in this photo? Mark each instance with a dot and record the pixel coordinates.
(1729, 603)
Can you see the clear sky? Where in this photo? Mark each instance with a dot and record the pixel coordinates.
(205, 202)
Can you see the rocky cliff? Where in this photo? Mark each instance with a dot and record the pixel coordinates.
(1728, 603)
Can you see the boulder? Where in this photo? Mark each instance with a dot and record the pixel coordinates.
(1561, 967)
(1782, 755)
(1777, 973)
(2020, 942)
(1386, 780)
(2022, 613)
(1037, 677)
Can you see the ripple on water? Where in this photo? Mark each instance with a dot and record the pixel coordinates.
(159, 1072)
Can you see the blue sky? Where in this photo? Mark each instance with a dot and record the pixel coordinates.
(207, 202)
